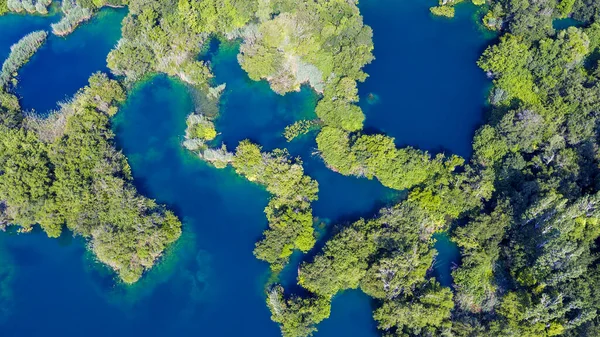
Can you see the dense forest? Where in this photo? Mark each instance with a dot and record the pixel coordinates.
(63, 170)
(523, 209)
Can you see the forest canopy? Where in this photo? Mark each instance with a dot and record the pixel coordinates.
(523, 210)
(64, 171)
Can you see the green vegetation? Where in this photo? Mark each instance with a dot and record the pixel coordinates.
(3, 7)
(447, 11)
(523, 211)
(157, 38)
(300, 128)
(446, 7)
(74, 14)
(289, 211)
(200, 127)
(297, 316)
(377, 156)
(66, 171)
(31, 6)
(332, 43)
(20, 53)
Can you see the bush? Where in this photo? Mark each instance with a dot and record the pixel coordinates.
(31, 6)
(3, 7)
(299, 128)
(340, 114)
(200, 127)
(20, 53)
(74, 15)
(446, 11)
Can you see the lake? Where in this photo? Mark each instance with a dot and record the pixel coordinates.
(424, 89)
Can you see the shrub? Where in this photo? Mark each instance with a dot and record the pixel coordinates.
(446, 11)
(74, 15)
(20, 53)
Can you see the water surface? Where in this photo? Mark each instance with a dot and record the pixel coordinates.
(425, 88)
(427, 92)
(63, 64)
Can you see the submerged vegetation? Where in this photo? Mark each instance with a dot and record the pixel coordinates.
(300, 128)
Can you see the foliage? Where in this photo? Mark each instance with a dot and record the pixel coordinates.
(315, 42)
(156, 37)
(76, 178)
(529, 257)
(289, 210)
(299, 128)
(480, 240)
(40, 6)
(297, 316)
(340, 114)
(200, 127)
(3, 7)
(386, 256)
(377, 156)
(428, 314)
(74, 14)
(20, 53)
(447, 11)
(528, 201)
(523, 210)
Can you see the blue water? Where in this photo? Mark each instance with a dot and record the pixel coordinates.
(425, 88)
(14, 26)
(566, 23)
(209, 283)
(447, 259)
(251, 110)
(64, 64)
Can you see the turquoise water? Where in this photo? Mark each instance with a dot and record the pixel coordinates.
(425, 88)
(209, 283)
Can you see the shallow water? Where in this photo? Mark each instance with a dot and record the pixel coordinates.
(209, 283)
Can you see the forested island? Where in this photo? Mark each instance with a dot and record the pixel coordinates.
(523, 210)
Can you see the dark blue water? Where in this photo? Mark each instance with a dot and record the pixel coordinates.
(251, 110)
(447, 259)
(14, 26)
(63, 64)
(209, 283)
(425, 88)
(566, 23)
